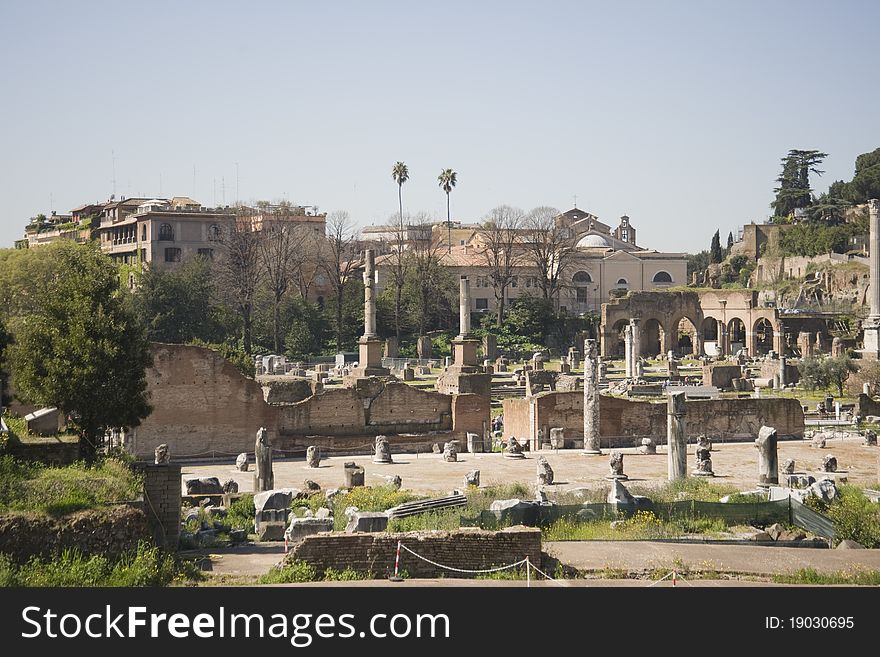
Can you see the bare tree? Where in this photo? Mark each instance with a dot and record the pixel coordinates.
(398, 265)
(281, 254)
(427, 280)
(549, 249)
(240, 270)
(309, 265)
(503, 252)
(340, 260)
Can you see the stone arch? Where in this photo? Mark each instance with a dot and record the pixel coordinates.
(764, 334)
(582, 278)
(662, 277)
(616, 348)
(653, 337)
(709, 329)
(736, 335)
(685, 338)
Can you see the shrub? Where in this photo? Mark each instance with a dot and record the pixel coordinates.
(290, 573)
(347, 575)
(240, 514)
(854, 516)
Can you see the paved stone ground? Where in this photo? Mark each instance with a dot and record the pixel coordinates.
(734, 463)
(245, 563)
(639, 556)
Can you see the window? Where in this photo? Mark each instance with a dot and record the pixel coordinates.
(621, 282)
(514, 281)
(461, 242)
(166, 233)
(662, 277)
(172, 255)
(624, 235)
(214, 232)
(143, 232)
(206, 253)
(581, 278)
(482, 304)
(581, 295)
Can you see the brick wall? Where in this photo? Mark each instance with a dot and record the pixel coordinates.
(203, 406)
(470, 414)
(470, 549)
(109, 532)
(162, 501)
(624, 422)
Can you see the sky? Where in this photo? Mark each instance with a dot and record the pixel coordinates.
(674, 113)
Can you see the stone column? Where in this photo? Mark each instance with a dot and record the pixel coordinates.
(591, 398)
(264, 477)
(768, 464)
(874, 253)
(464, 308)
(722, 338)
(636, 344)
(628, 350)
(676, 437)
(369, 294)
(783, 375)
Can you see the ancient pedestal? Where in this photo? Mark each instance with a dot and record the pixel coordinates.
(382, 451)
(313, 456)
(354, 474)
(768, 465)
(264, 478)
(591, 398)
(616, 463)
(676, 437)
(545, 472)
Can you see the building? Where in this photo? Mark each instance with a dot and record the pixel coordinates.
(606, 264)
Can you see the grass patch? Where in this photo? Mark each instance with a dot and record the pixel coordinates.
(59, 490)
(290, 573)
(149, 566)
(693, 488)
(641, 526)
(812, 576)
(241, 513)
(347, 575)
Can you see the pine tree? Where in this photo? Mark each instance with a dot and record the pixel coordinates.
(715, 253)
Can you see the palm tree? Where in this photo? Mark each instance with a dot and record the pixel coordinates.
(400, 173)
(447, 180)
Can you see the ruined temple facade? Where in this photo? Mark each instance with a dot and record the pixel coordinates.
(710, 322)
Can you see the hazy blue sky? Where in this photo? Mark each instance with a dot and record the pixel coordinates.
(675, 113)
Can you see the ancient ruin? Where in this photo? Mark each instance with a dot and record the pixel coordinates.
(768, 468)
(264, 478)
(615, 461)
(545, 472)
(382, 450)
(591, 399)
(162, 456)
(313, 456)
(676, 437)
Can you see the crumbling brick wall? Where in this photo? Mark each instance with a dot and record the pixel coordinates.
(469, 549)
(624, 422)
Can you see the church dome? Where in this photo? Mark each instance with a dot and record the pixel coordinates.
(593, 240)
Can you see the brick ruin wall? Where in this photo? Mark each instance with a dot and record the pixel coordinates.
(623, 422)
(203, 406)
(469, 549)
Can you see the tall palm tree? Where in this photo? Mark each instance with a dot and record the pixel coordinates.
(447, 180)
(400, 173)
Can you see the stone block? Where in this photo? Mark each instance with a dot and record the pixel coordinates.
(366, 521)
(301, 527)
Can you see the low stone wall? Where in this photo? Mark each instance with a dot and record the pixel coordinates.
(49, 451)
(624, 422)
(109, 532)
(469, 549)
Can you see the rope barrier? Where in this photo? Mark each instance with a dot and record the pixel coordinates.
(464, 570)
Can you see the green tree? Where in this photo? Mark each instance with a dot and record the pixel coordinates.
(429, 288)
(177, 305)
(82, 349)
(309, 330)
(729, 241)
(838, 371)
(697, 263)
(716, 255)
(794, 191)
(4, 343)
(866, 180)
(447, 180)
(824, 373)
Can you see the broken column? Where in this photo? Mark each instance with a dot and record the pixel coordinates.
(676, 437)
(264, 478)
(636, 345)
(615, 461)
(704, 458)
(354, 474)
(872, 324)
(369, 344)
(591, 398)
(768, 465)
(628, 351)
(382, 450)
(313, 456)
(545, 472)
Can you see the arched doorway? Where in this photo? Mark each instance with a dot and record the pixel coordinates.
(709, 333)
(736, 332)
(652, 338)
(686, 338)
(617, 348)
(763, 337)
